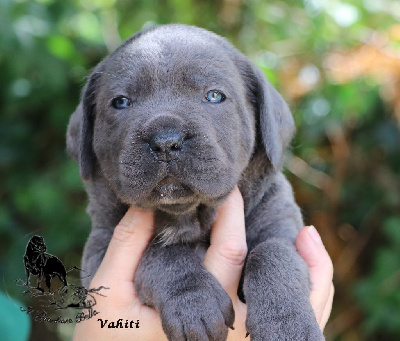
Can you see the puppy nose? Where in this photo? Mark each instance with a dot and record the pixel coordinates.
(166, 144)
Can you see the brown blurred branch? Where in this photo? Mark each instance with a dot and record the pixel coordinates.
(229, 12)
(109, 29)
(310, 175)
(348, 318)
(340, 152)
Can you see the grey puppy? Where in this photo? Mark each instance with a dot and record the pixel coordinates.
(171, 122)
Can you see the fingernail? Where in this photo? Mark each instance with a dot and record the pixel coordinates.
(314, 235)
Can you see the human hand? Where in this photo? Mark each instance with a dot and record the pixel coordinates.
(312, 250)
(116, 272)
(224, 259)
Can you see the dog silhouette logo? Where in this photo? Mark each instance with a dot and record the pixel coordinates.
(41, 264)
(58, 296)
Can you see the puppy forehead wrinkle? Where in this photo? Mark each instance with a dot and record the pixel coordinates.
(182, 57)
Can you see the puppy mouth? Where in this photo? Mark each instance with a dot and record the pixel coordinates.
(177, 208)
(172, 196)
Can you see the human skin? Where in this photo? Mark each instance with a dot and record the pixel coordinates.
(224, 259)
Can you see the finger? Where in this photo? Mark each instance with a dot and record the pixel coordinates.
(311, 249)
(227, 252)
(126, 247)
(328, 308)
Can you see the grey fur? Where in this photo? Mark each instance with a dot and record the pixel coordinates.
(166, 71)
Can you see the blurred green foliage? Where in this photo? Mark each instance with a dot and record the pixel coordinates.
(336, 62)
(379, 293)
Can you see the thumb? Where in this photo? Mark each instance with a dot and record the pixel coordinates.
(227, 252)
(311, 249)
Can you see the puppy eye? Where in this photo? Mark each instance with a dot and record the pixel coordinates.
(121, 102)
(215, 96)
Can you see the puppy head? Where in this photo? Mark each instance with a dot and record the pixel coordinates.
(36, 244)
(172, 117)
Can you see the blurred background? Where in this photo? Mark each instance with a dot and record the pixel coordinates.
(337, 63)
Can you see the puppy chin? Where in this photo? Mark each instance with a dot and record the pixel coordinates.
(168, 195)
(173, 196)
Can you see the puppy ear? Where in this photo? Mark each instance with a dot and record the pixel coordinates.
(275, 124)
(74, 133)
(80, 129)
